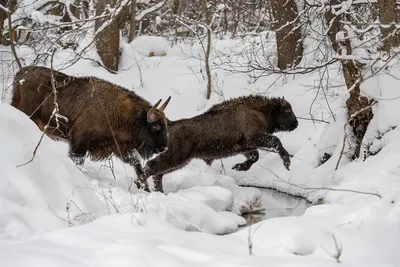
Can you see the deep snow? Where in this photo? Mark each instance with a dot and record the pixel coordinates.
(150, 229)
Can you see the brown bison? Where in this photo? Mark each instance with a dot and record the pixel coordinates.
(103, 119)
(237, 126)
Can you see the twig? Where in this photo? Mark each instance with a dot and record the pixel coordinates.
(338, 247)
(12, 34)
(5, 9)
(53, 114)
(249, 241)
(312, 119)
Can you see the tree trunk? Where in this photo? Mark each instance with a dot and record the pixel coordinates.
(132, 21)
(79, 9)
(12, 6)
(288, 35)
(352, 76)
(107, 40)
(388, 14)
(3, 16)
(208, 49)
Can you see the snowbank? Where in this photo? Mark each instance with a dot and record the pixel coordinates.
(150, 45)
(143, 240)
(360, 211)
(208, 209)
(48, 193)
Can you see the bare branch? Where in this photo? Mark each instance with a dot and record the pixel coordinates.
(306, 188)
(55, 114)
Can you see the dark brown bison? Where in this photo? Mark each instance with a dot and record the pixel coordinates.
(103, 119)
(237, 126)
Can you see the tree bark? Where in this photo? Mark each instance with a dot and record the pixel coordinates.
(11, 5)
(3, 16)
(288, 33)
(208, 49)
(132, 21)
(388, 14)
(353, 77)
(107, 40)
(79, 9)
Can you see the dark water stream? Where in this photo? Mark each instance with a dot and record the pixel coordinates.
(277, 204)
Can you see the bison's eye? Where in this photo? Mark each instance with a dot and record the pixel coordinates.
(155, 127)
(287, 110)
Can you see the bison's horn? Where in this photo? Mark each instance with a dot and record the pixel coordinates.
(156, 104)
(150, 114)
(165, 104)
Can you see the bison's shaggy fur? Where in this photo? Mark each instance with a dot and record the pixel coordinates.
(104, 119)
(237, 126)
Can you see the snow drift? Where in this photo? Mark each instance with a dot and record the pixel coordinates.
(47, 193)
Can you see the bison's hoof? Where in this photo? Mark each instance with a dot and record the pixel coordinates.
(141, 185)
(241, 167)
(286, 162)
(286, 159)
(78, 161)
(208, 162)
(159, 189)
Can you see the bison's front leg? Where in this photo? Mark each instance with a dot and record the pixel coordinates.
(163, 164)
(133, 158)
(271, 142)
(251, 158)
(157, 180)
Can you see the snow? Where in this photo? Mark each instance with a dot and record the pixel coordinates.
(150, 44)
(46, 194)
(197, 222)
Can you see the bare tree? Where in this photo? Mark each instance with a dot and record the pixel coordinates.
(107, 39)
(389, 15)
(132, 25)
(6, 9)
(3, 16)
(208, 49)
(352, 75)
(288, 33)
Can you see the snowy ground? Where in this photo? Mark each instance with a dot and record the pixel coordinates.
(46, 196)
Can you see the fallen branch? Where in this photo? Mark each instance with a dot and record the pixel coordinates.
(322, 188)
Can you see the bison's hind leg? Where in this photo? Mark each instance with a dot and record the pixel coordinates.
(252, 157)
(16, 97)
(208, 161)
(79, 145)
(77, 154)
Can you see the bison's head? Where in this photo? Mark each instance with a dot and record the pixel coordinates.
(154, 132)
(284, 117)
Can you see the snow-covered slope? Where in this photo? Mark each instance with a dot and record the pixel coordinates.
(48, 193)
(361, 210)
(141, 240)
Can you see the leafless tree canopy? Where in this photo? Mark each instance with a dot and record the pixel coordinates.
(273, 33)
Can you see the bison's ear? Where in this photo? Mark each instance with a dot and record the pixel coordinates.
(141, 114)
(276, 102)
